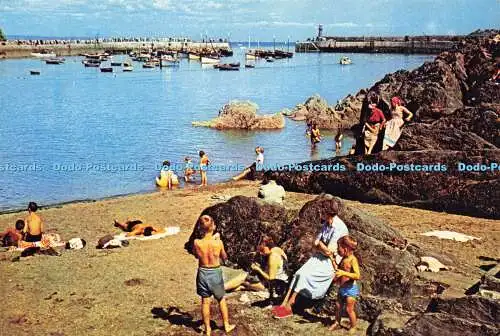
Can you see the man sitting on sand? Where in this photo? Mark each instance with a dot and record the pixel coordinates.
(137, 227)
(209, 281)
(33, 224)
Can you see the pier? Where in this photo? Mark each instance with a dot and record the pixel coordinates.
(370, 44)
(20, 49)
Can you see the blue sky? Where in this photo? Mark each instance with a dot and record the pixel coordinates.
(239, 19)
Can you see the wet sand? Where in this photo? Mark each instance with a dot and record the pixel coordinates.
(148, 288)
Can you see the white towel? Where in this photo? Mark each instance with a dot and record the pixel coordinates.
(169, 231)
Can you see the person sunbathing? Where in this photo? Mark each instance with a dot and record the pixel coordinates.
(12, 236)
(137, 228)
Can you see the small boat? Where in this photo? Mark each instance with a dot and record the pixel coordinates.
(116, 64)
(345, 60)
(107, 69)
(54, 61)
(250, 65)
(269, 59)
(250, 56)
(209, 60)
(229, 67)
(34, 72)
(127, 67)
(194, 57)
(92, 63)
(149, 65)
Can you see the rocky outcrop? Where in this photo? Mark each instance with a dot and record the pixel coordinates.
(447, 189)
(389, 274)
(468, 316)
(316, 110)
(243, 115)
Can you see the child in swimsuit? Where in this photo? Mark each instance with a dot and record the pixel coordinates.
(346, 277)
(188, 169)
(204, 161)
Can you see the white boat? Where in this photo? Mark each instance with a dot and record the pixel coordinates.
(209, 60)
(250, 55)
(169, 60)
(345, 60)
(43, 55)
(127, 67)
(194, 57)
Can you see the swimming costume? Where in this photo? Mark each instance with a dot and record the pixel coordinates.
(349, 289)
(131, 224)
(33, 238)
(209, 282)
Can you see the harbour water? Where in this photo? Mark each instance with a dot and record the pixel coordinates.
(75, 133)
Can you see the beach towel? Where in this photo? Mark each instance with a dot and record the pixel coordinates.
(169, 231)
(392, 132)
(450, 235)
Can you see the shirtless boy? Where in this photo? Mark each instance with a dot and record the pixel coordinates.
(210, 250)
(33, 224)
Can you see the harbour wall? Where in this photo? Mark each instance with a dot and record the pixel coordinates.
(12, 49)
(403, 45)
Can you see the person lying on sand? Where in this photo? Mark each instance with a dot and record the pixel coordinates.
(33, 224)
(209, 282)
(137, 227)
(12, 236)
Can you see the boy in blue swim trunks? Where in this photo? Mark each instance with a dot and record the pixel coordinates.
(209, 282)
(346, 277)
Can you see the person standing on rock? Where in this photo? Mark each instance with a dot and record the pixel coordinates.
(394, 126)
(314, 278)
(375, 122)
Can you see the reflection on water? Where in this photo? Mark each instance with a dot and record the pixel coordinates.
(93, 134)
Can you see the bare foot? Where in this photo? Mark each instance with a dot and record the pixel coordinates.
(335, 326)
(229, 327)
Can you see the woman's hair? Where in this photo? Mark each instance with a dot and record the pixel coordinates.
(373, 98)
(201, 153)
(348, 242)
(166, 163)
(332, 210)
(396, 101)
(268, 242)
(148, 231)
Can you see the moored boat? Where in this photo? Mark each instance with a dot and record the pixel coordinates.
(149, 65)
(194, 57)
(92, 63)
(34, 72)
(54, 61)
(345, 60)
(127, 67)
(106, 69)
(116, 64)
(43, 54)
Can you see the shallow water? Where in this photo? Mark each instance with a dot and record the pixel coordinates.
(75, 133)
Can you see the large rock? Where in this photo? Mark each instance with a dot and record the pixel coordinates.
(467, 316)
(243, 115)
(388, 273)
(471, 193)
(316, 110)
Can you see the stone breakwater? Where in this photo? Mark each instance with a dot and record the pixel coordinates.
(11, 49)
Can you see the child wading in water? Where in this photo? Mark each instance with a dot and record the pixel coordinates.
(346, 277)
(209, 282)
(204, 161)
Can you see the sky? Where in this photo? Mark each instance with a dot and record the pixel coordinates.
(240, 20)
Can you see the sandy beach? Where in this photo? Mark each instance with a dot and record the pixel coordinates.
(148, 288)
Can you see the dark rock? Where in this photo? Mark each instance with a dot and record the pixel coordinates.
(471, 193)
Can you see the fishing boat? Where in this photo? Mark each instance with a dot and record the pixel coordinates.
(127, 67)
(34, 72)
(106, 69)
(345, 60)
(169, 60)
(116, 64)
(269, 59)
(249, 65)
(250, 55)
